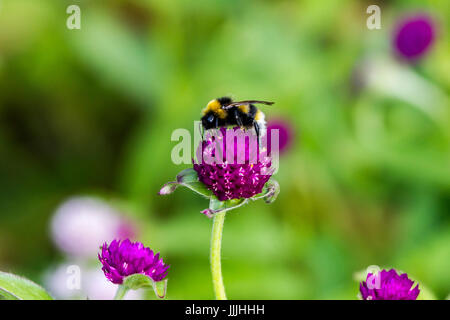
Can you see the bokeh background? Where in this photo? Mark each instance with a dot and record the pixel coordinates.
(86, 118)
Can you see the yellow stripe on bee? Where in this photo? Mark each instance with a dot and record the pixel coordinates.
(245, 108)
(259, 115)
(216, 108)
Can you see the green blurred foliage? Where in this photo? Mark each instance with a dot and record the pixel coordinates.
(91, 111)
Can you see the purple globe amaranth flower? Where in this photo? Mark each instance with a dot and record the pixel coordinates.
(232, 164)
(232, 168)
(388, 285)
(124, 258)
(414, 36)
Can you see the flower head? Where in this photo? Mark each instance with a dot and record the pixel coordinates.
(414, 36)
(388, 285)
(232, 165)
(124, 258)
(232, 168)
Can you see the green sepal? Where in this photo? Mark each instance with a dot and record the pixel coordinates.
(274, 191)
(215, 206)
(269, 193)
(160, 288)
(141, 281)
(137, 281)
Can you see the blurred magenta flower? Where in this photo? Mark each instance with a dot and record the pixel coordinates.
(414, 36)
(124, 258)
(235, 179)
(81, 224)
(388, 285)
(285, 134)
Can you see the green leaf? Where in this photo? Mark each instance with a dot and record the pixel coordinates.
(187, 178)
(187, 175)
(199, 188)
(13, 287)
(141, 281)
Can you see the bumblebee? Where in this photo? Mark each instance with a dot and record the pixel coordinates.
(223, 112)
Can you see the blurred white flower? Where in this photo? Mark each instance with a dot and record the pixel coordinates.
(97, 287)
(62, 283)
(56, 279)
(82, 224)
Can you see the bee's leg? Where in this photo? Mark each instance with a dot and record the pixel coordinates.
(256, 125)
(234, 113)
(238, 120)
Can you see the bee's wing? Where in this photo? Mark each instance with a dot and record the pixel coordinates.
(244, 102)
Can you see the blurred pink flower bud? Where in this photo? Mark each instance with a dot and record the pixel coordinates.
(82, 224)
(414, 35)
(285, 134)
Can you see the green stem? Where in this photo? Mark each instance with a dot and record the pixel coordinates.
(121, 292)
(216, 269)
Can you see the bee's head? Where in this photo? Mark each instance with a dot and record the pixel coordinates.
(209, 120)
(215, 107)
